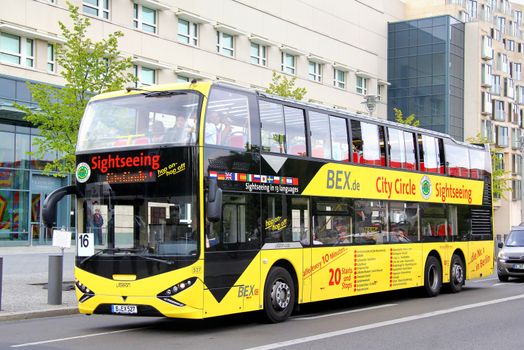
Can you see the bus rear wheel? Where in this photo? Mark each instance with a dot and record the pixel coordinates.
(432, 276)
(456, 277)
(279, 295)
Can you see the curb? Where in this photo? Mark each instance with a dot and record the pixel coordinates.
(10, 316)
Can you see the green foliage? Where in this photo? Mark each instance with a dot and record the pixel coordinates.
(281, 85)
(89, 68)
(410, 120)
(500, 178)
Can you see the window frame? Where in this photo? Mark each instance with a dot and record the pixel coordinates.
(22, 54)
(102, 9)
(191, 38)
(138, 19)
(283, 64)
(51, 60)
(221, 48)
(139, 69)
(362, 85)
(340, 84)
(316, 74)
(260, 58)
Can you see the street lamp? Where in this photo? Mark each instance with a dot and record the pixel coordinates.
(371, 102)
(521, 149)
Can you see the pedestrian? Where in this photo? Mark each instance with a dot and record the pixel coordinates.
(98, 222)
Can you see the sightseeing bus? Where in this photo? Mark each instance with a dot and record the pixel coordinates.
(204, 199)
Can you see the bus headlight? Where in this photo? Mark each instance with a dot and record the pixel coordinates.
(167, 295)
(87, 293)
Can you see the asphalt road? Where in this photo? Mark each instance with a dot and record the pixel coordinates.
(485, 315)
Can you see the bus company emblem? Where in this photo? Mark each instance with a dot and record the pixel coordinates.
(425, 187)
(83, 172)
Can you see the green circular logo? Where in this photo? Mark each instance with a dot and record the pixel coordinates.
(425, 187)
(83, 172)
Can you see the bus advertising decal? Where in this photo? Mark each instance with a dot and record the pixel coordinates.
(263, 183)
(340, 180)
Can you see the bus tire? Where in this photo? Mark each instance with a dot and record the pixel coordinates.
(456, 274)
(432, 276)
(279, 295)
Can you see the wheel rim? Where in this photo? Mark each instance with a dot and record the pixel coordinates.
(458, 274)
(280, 295)
(433, 277)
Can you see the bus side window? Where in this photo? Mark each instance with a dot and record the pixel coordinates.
(272, 127)
(397, 151)
(320, 135)
(357, 142)
(432, 154)
(339, 138)
(411, 150)
(285, 219)
(228, 119)
(295, 131)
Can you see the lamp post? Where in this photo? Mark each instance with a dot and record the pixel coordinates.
(371, 102)
(521, 149)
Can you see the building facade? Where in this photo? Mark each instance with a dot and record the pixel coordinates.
(426, 72)
(494, 89)
(338, 53)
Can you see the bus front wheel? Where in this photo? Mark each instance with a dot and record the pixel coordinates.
(432, 276)
(279, 295)
(456, 277)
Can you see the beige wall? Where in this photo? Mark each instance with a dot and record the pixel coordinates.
(351, 33)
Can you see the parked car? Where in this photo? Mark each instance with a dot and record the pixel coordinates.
(510, 262)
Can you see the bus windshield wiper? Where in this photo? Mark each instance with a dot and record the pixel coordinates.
(164, 93)
(145, 257)
(109, 250)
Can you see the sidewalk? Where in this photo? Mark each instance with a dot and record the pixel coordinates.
(25, 274)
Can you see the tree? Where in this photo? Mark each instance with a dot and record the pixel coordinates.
(282, 86)
(88, 68)
(499, 177)
(410, 120)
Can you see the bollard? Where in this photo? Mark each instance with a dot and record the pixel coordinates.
(54, 284)
(1, 268)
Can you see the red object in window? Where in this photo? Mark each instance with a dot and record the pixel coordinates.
(454, 171)
(237, 141)
(121, 142)
(298, 150)
(441, 230)
(141, 141)
(318, 152)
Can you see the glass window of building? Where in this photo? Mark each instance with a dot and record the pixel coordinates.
(7, 149)
(23, 147)
(225, 44)
(320, 135)
(516, 192)
(288, 64)
(502, 136)
(295, 131)
(339, 138)
(146, 76)
(362, 85)
(187, 32)
(144, 18)
(339, 78)
(16, 50)
(498, 110)
(51, 66)
(98, 8)
(182, 79)
(315, 71)
(258, 54)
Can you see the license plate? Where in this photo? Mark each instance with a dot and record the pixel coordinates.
(124, 309)
(518, 266)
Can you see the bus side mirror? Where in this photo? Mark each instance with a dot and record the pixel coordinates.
(49, 207)
(214, 201)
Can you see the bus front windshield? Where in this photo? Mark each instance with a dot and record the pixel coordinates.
(141, 219)
(154, 118)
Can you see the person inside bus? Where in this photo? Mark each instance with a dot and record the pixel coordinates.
(178, 133)
(342, 232)
(218, 129)
(158, 132)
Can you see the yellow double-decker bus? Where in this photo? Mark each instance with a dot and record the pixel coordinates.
(202, 199)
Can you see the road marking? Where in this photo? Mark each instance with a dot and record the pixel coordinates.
(77, 337)
(305, 318)
(382, 324)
